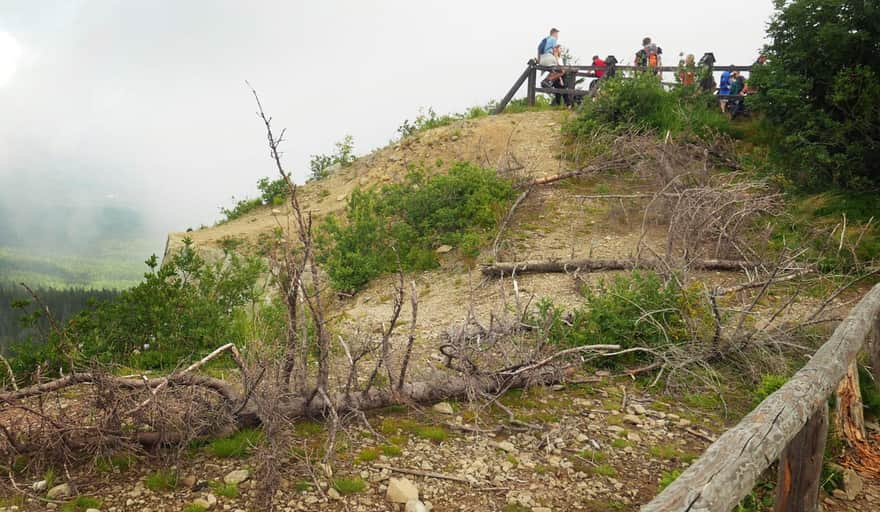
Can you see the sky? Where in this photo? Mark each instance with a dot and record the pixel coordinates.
(142, 104)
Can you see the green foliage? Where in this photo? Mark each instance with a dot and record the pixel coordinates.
(870, 392)
(118, 461)
(368, 455)
(225, 490)
(631, 310)
(237, 445)
(642, 103)
(240, 208)
(605, 470)
(321, 165)
(81, 504)
(519, 105)
(162, 480)
(768, 385)
(820, 92)
(404, 222)
(349, 485)
(432, 433)
(390, 450)
(668, 477)
(273, 192)
(178, 311)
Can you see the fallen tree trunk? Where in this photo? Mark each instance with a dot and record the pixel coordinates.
(593, 265)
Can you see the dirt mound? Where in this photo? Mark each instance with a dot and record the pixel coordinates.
(530, 141)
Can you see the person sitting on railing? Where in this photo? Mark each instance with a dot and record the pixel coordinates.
(554, 59)
(598, 73)
(707, 77)
(546, 45)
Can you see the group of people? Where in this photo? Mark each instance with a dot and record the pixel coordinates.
(648, 58)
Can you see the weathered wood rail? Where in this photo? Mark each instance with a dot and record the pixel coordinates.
(530, 78)
(791, 426)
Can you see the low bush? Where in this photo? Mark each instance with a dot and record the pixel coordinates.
(349, 485)
(403, 223)
(321, 165)
(630, 310)
(161, 480)
(642, 103)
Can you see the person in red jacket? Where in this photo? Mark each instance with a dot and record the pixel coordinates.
(599, 63)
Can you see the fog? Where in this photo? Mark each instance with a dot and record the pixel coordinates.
(141, 106)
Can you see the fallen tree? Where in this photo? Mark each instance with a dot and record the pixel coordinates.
(593, 265)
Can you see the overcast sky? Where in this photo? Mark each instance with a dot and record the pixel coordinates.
(144, 103)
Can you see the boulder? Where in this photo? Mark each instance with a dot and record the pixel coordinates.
(415, 506)
(443, 249)
(203, 503)
(40, 486)
(401, 490)
(236, 477)
(443, 408)
(852, 484)
(59, 491)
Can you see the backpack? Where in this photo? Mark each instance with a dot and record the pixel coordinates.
(541, 46)
(641, 58)
(610, 66)
(652, 60)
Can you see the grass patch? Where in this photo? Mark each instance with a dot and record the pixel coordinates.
(390, 450)
(516, 507)
(436, 434)
(303, 486)
(665, 452)
(162, 480)
(605, 470)
(593, 455)
(349, 485)
(120, 462)
(368, 455)
(620, 443)
(192, 507)
(81, 504)
(237, 445)
(308, 428)
(668, 477)
(225, 490)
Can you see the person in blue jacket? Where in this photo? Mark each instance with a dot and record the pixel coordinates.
(724, 89)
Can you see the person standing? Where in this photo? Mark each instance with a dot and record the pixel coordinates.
(648, 57)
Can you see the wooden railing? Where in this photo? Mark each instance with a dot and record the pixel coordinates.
(791, 426)
(530, 78)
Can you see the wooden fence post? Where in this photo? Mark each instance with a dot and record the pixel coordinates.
(849, 416)
(533, 77)
(800, 466)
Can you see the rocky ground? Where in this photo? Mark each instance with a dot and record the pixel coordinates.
(602, 446)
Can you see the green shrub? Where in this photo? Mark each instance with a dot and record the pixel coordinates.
(237, 445)
(642, 103)
(605, 470)
(320, 165)
(405, 222)
(273, 192)
(349, 485)
(631, 310)
(240, 208)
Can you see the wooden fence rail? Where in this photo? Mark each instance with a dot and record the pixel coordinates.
(530, 77)
(791, 426)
